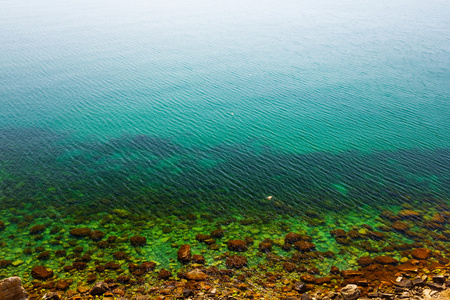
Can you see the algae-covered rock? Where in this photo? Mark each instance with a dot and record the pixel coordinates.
(80, 232)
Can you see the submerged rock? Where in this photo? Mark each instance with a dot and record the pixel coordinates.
(164, 274)
(184, 253)
(137, 241)
(11, 289)
(236, 262)
(237, 245)
(406, 214)
(386, 260)
(38, 229)
(304, 246)
(80, 232)
(292, 237)
(41, 272)
(421, 253)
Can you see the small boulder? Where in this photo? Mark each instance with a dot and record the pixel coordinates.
(184, 253)
(236, 262)
(304, 246)
(265, 247)
(421, 253)
(96, 235)
(237, 245)
(80, 232)
(42, 273)
(385, 260)
(292, 237)
(197, 275)
(11, 289)
(350, 292)
(38, 229)
(198, 259)
(99, 288)
(338, 233)
(164, 274)
(137, 241)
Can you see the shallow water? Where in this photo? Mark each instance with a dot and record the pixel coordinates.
(338, 111)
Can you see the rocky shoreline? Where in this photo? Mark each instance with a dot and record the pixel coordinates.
(199, 286)
(229, 259)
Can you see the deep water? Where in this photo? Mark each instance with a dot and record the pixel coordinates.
(257, 117)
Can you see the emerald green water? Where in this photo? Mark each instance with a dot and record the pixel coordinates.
(336, 110)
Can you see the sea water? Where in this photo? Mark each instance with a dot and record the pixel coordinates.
(311, 113)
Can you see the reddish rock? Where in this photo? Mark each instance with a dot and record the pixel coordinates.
(2, 226)
(308, 278)
(304, 246)
(96, 235)
(323, 280)
(236, 262)
(237, 245)
(386, 260)
(292, 237)
(11, 289)
(42, 273)
(334, 270)
(112, 266)
(80, 232)
(62, 285)
(164, 274)
(400, 226)
(147, 266)
(184, 253)
(365, 261)
(38, 229)
(137, 241)
(350, 273)
(265, 247)
(198, 259)
(338, 233)
(409, 214)
(421, 253)
(289, 266)
(197, 275)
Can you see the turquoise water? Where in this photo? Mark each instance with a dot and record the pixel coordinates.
(201, 106)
